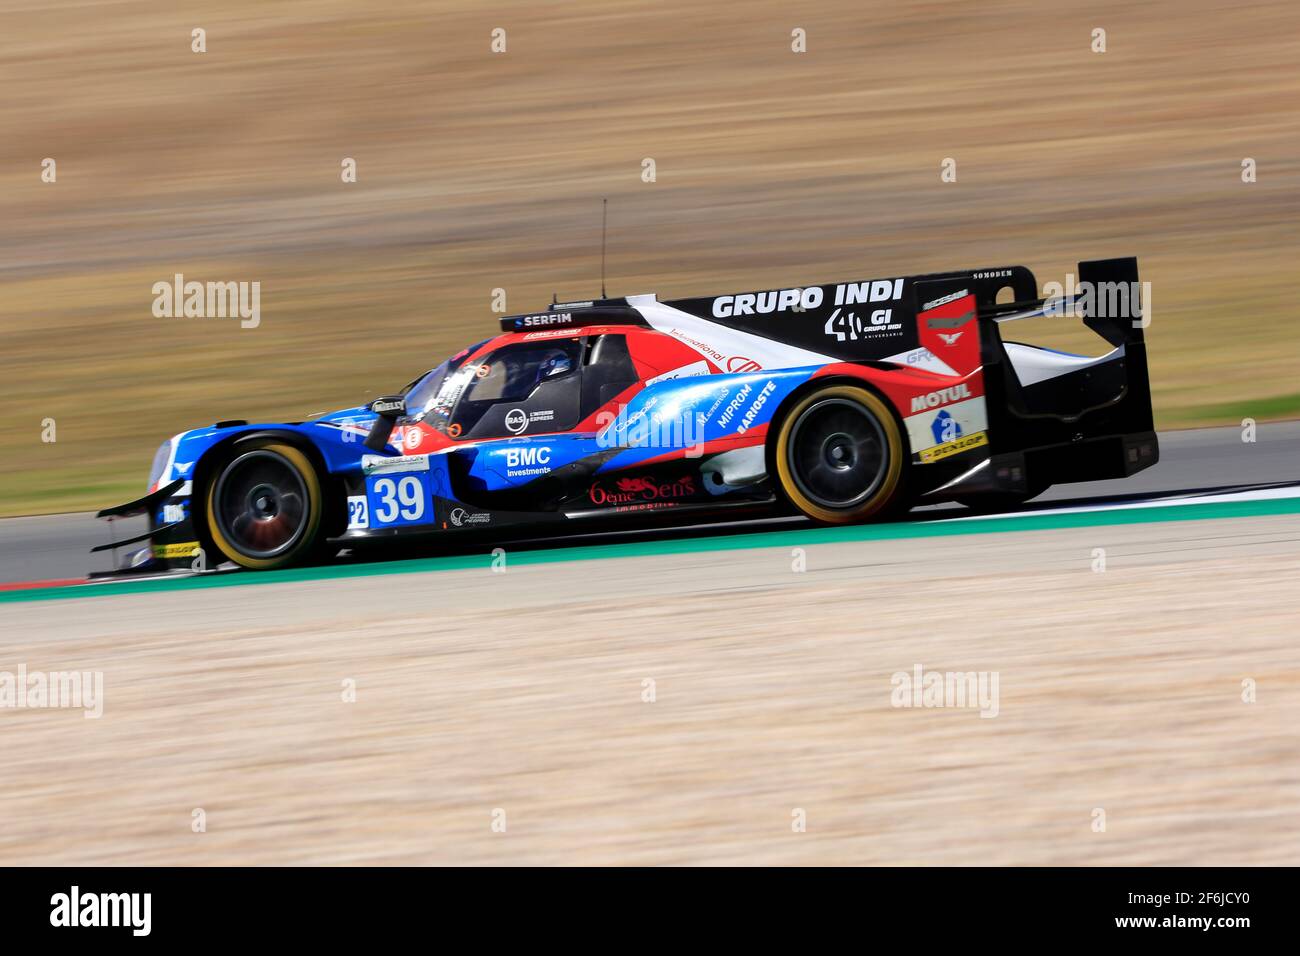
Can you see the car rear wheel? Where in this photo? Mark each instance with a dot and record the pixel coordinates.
(264, 505)
(840, 455)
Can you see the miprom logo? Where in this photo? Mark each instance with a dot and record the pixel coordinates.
(922, 688)
(37, 690)
(212, 300)
(75, 909)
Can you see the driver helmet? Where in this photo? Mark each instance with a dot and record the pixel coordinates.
(554, 363)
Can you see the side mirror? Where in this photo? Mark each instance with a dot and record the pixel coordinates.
(389, 408)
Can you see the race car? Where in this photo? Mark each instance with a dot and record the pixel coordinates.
(844, 402)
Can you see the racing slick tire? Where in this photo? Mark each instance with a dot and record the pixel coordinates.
(264, 505)
(840, 456)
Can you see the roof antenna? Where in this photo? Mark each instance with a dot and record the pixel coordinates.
(604, 206)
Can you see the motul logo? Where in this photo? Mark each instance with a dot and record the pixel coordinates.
(944, 396)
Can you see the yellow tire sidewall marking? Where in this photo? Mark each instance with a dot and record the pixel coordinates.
(310, 480)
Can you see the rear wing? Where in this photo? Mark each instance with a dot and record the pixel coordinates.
(1107, 297)
(1112, 393)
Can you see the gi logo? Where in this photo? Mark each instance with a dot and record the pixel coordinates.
(516, 421)
(945, 428)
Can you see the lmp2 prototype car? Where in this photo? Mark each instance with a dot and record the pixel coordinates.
(843, 402)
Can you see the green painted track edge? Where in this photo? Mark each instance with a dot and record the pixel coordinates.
(801, 537)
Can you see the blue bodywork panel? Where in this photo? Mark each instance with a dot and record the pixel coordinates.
(397, 490)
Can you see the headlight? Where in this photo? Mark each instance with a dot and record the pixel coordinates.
(160, 460)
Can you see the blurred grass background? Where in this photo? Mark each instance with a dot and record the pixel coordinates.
(480, 170)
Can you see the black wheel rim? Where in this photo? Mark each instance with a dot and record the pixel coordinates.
(837, 453)
(261, 504)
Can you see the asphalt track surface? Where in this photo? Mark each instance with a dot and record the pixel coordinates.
(56, 547)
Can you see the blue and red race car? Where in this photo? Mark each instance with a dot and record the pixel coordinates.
(843, 402)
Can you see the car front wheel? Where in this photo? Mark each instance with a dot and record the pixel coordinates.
(264, 505)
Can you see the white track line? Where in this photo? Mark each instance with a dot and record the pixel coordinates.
(1258, 494)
